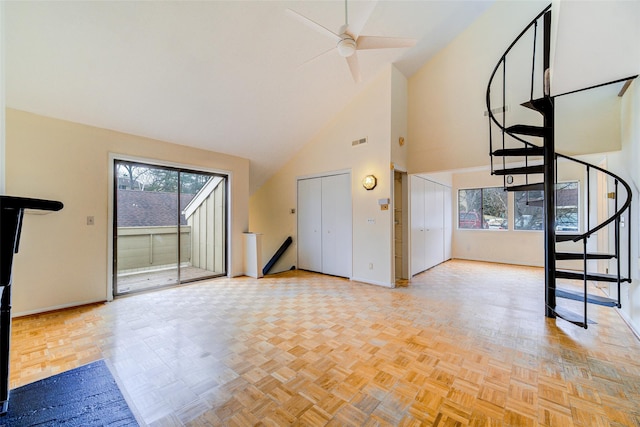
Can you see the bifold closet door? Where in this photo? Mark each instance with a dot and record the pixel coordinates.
(418, 224)
(310, 224)
(434, 217)
(324, 225)
(336, 225)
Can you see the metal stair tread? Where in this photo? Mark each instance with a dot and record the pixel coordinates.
(566, 237)
(538, 186)
(570, 316)
(539, 104)
(579, 275)
(524, 170)
(580, 255)
(529, 130)
(522, 151)
(591, 299)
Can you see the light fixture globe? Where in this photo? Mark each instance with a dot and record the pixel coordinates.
(346, 47)
(369, 182)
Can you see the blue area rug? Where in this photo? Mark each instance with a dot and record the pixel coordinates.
(85, 396)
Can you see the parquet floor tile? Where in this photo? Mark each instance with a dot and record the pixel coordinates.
(465, 343)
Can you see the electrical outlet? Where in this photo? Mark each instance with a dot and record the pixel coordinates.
(90, 220)
(370, 266)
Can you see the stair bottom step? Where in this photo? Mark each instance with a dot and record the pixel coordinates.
(591, 299)
(575, 318)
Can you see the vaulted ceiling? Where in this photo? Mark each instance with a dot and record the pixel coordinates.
(236, 77)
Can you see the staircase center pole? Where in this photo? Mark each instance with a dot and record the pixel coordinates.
(549, 183)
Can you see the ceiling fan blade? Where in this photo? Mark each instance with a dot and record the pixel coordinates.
(317, 56)
(358, 22)
(313, 25)
(373, 42)
(354, 67)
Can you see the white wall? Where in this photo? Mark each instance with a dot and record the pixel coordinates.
(370, 115)
(596, 42)
(588, 122)
(63, 261)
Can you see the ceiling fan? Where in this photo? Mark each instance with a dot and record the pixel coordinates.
(349, 42)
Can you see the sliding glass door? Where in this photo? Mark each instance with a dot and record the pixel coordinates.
(170, 226)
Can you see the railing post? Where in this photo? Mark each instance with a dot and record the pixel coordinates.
(629, 242)
(549, 187)
(617, 238)
(586, 319)
(588, 199)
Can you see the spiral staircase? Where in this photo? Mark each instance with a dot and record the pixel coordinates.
(522, 150)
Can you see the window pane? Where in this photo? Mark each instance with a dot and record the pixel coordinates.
(494, 208)
(470, 208)
(529, 208)
(567, 206)
(529, 212)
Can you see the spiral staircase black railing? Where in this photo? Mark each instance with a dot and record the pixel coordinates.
(526, 137)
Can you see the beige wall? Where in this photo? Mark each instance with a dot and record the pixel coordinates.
(505, 246)
(447, 126)
(399, 112)
(369, 114)
(63, 261)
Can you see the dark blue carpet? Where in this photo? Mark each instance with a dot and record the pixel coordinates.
(85, 396)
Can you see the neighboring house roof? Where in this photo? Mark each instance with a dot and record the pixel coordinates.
(150, 208)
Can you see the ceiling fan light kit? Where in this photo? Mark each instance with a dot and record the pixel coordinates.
(346, 47)
(349, 43)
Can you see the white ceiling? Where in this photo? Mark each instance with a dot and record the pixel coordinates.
(227, 76)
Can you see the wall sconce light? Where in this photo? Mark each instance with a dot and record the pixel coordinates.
(369, 182)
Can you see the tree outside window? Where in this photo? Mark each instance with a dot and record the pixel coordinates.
(529, 208)
(482, 208)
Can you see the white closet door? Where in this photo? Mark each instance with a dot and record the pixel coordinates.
(434, 212)
(418, 254)
(336, 225)
(310, 224)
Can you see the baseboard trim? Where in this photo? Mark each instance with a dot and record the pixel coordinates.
(629, 323)
(372, 282)
(55, 307)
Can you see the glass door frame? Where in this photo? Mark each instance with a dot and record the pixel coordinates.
(113, 229)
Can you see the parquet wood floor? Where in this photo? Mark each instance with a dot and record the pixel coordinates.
(465, 343)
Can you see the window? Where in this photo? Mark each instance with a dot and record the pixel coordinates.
(482, 208)
(529, 208)
(170, 226)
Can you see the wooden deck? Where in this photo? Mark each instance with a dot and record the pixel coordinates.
(465, 343)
